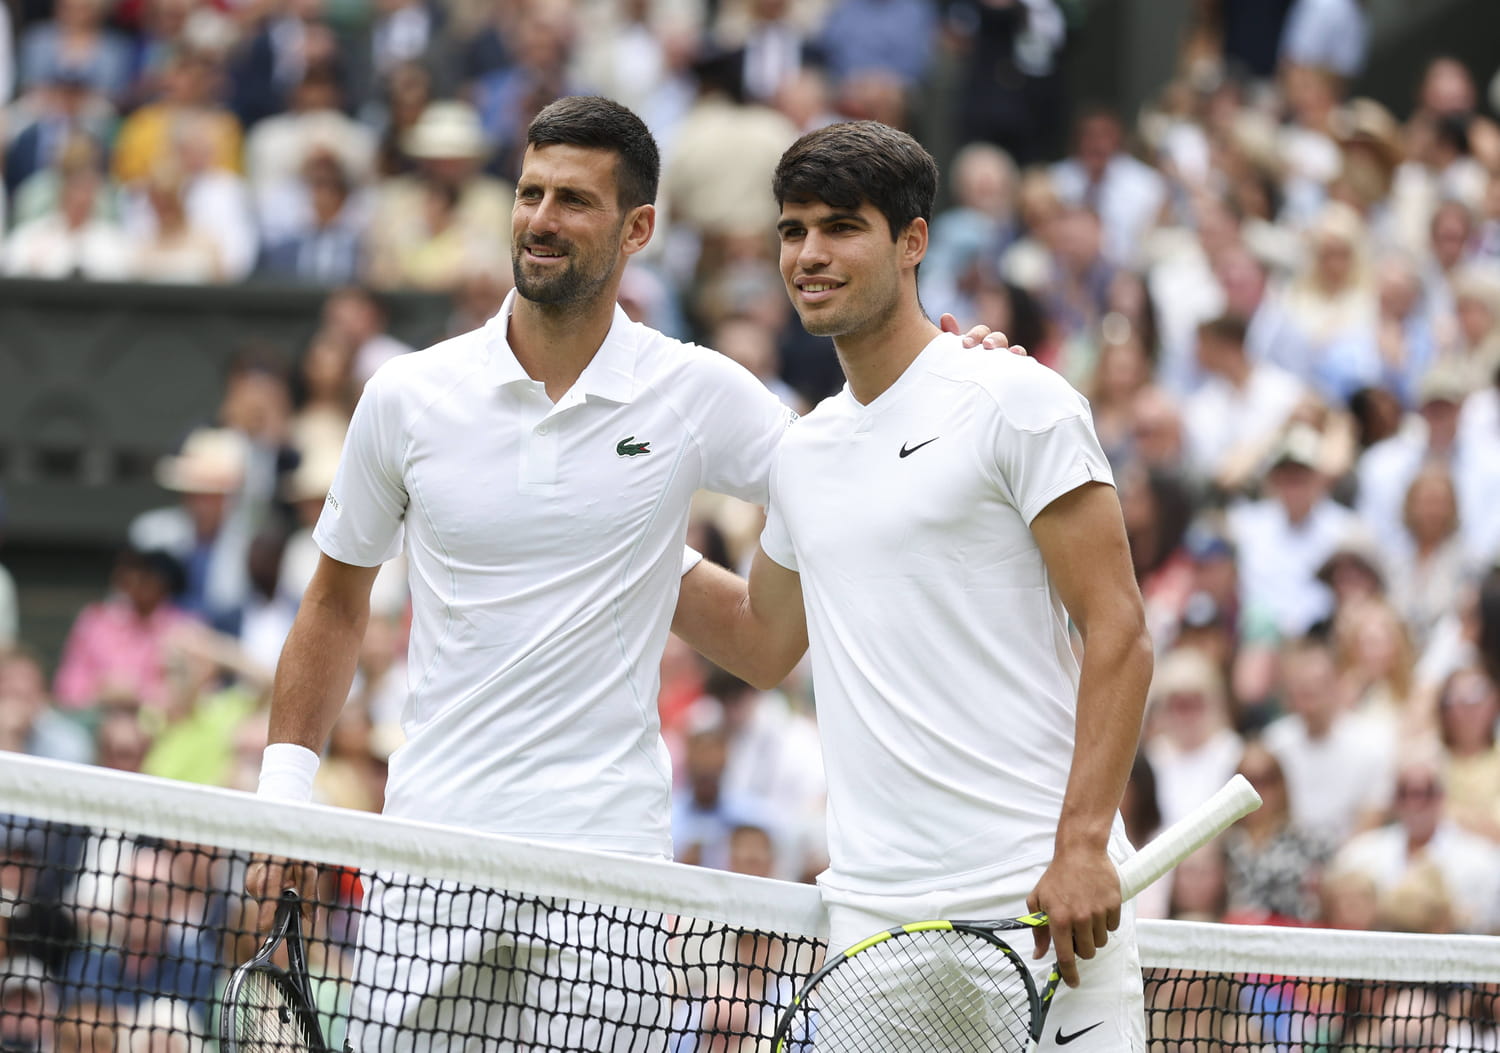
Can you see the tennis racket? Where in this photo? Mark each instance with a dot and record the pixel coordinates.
(268, 1009)
(957, 986)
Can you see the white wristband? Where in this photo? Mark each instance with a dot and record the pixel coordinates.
(691, 557)
(286, 772)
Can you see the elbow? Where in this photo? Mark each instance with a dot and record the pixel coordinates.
(775, 664)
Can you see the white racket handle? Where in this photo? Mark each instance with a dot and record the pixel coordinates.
(1235, 799)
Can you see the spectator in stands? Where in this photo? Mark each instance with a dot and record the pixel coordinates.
(204, 530)
(48, 119)
(356, 315)
(1406, 336)
(73, 241)
(1272, 867)
(190, 95)
(178, 250)
(1190, 739)
(891, 38)
(1428, 574)
(1450, 236)
(280, 148)
(1375, 658)
(773, 757)
(980, 222)
(1235, 417)
(450, 146)
(1126, 194)
(117, 647)
(1387, 469)
(158, 950)
(1333, 308)
(700, 810)
(32, 925)
(1122, 372)
(35, 726)
(1468, 707)
(1327, 34)
(29, 1004)
(1320, 741)
(714, 178)
(283, 42)
(1475, 349)
(329, 248)
(1469, 866)
(76, 39)
(1284, 538)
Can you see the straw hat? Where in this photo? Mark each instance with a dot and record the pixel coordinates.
(1367, 122)
(447, 129)
(212, 461)
(313, 477)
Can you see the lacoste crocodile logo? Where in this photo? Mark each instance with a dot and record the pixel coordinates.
(628, 447)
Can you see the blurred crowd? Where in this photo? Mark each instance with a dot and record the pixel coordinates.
(1282, 300)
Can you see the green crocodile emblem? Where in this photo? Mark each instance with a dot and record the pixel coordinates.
(628, 447)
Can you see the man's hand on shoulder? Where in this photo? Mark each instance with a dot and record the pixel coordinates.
(991, 339)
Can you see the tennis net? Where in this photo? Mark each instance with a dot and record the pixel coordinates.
(122, 914)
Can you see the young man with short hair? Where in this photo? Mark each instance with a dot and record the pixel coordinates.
(942, 518)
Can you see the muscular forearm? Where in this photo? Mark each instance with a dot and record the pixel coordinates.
(313, 677)
(1112, 689)
(756, 637)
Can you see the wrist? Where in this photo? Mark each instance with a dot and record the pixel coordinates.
(287, 771)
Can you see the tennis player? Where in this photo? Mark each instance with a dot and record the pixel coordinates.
(941, 518)
(538, 472)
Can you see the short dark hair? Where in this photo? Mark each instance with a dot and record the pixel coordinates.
(847, 164)
(597, 123)
(1230, 328)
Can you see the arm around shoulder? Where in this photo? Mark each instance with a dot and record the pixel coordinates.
(757, 630)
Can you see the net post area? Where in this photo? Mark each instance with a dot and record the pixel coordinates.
(123, 917)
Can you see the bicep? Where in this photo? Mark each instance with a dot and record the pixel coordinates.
(1081, 536)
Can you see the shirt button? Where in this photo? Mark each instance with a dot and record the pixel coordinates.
(542, 429)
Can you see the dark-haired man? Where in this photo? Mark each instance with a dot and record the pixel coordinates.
(540, 469)
(974, 770)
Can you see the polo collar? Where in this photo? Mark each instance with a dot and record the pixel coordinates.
(610, 374)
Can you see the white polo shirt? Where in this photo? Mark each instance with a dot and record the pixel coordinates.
(545, 551)
(946, 685)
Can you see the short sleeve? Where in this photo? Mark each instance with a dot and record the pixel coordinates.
(363, 512)
(741, 428)
(775, 538)
(1045, 444)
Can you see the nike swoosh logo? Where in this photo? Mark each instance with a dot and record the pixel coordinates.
(1063, 1040)
(908, 451)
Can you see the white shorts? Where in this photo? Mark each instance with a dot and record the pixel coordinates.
(1106, 1013)
(449, 968)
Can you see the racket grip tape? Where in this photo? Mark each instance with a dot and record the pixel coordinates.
(1234, 799)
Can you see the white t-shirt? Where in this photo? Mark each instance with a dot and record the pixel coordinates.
(946, 685)
(1220, 418)
(545, 551)
(1334, 781)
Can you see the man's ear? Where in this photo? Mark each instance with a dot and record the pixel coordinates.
(640, 224)
(914, 242)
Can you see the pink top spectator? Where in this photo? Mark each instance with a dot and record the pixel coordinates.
(114, 650)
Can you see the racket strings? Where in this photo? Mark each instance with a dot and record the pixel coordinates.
(934, 992)
(267, 1018)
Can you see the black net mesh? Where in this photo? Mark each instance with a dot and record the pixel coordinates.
(112, 941)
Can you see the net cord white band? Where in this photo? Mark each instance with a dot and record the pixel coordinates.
(138, 804)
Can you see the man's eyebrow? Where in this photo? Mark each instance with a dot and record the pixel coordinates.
(823, 220)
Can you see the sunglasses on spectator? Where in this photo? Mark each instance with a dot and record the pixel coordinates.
(1418, 791)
